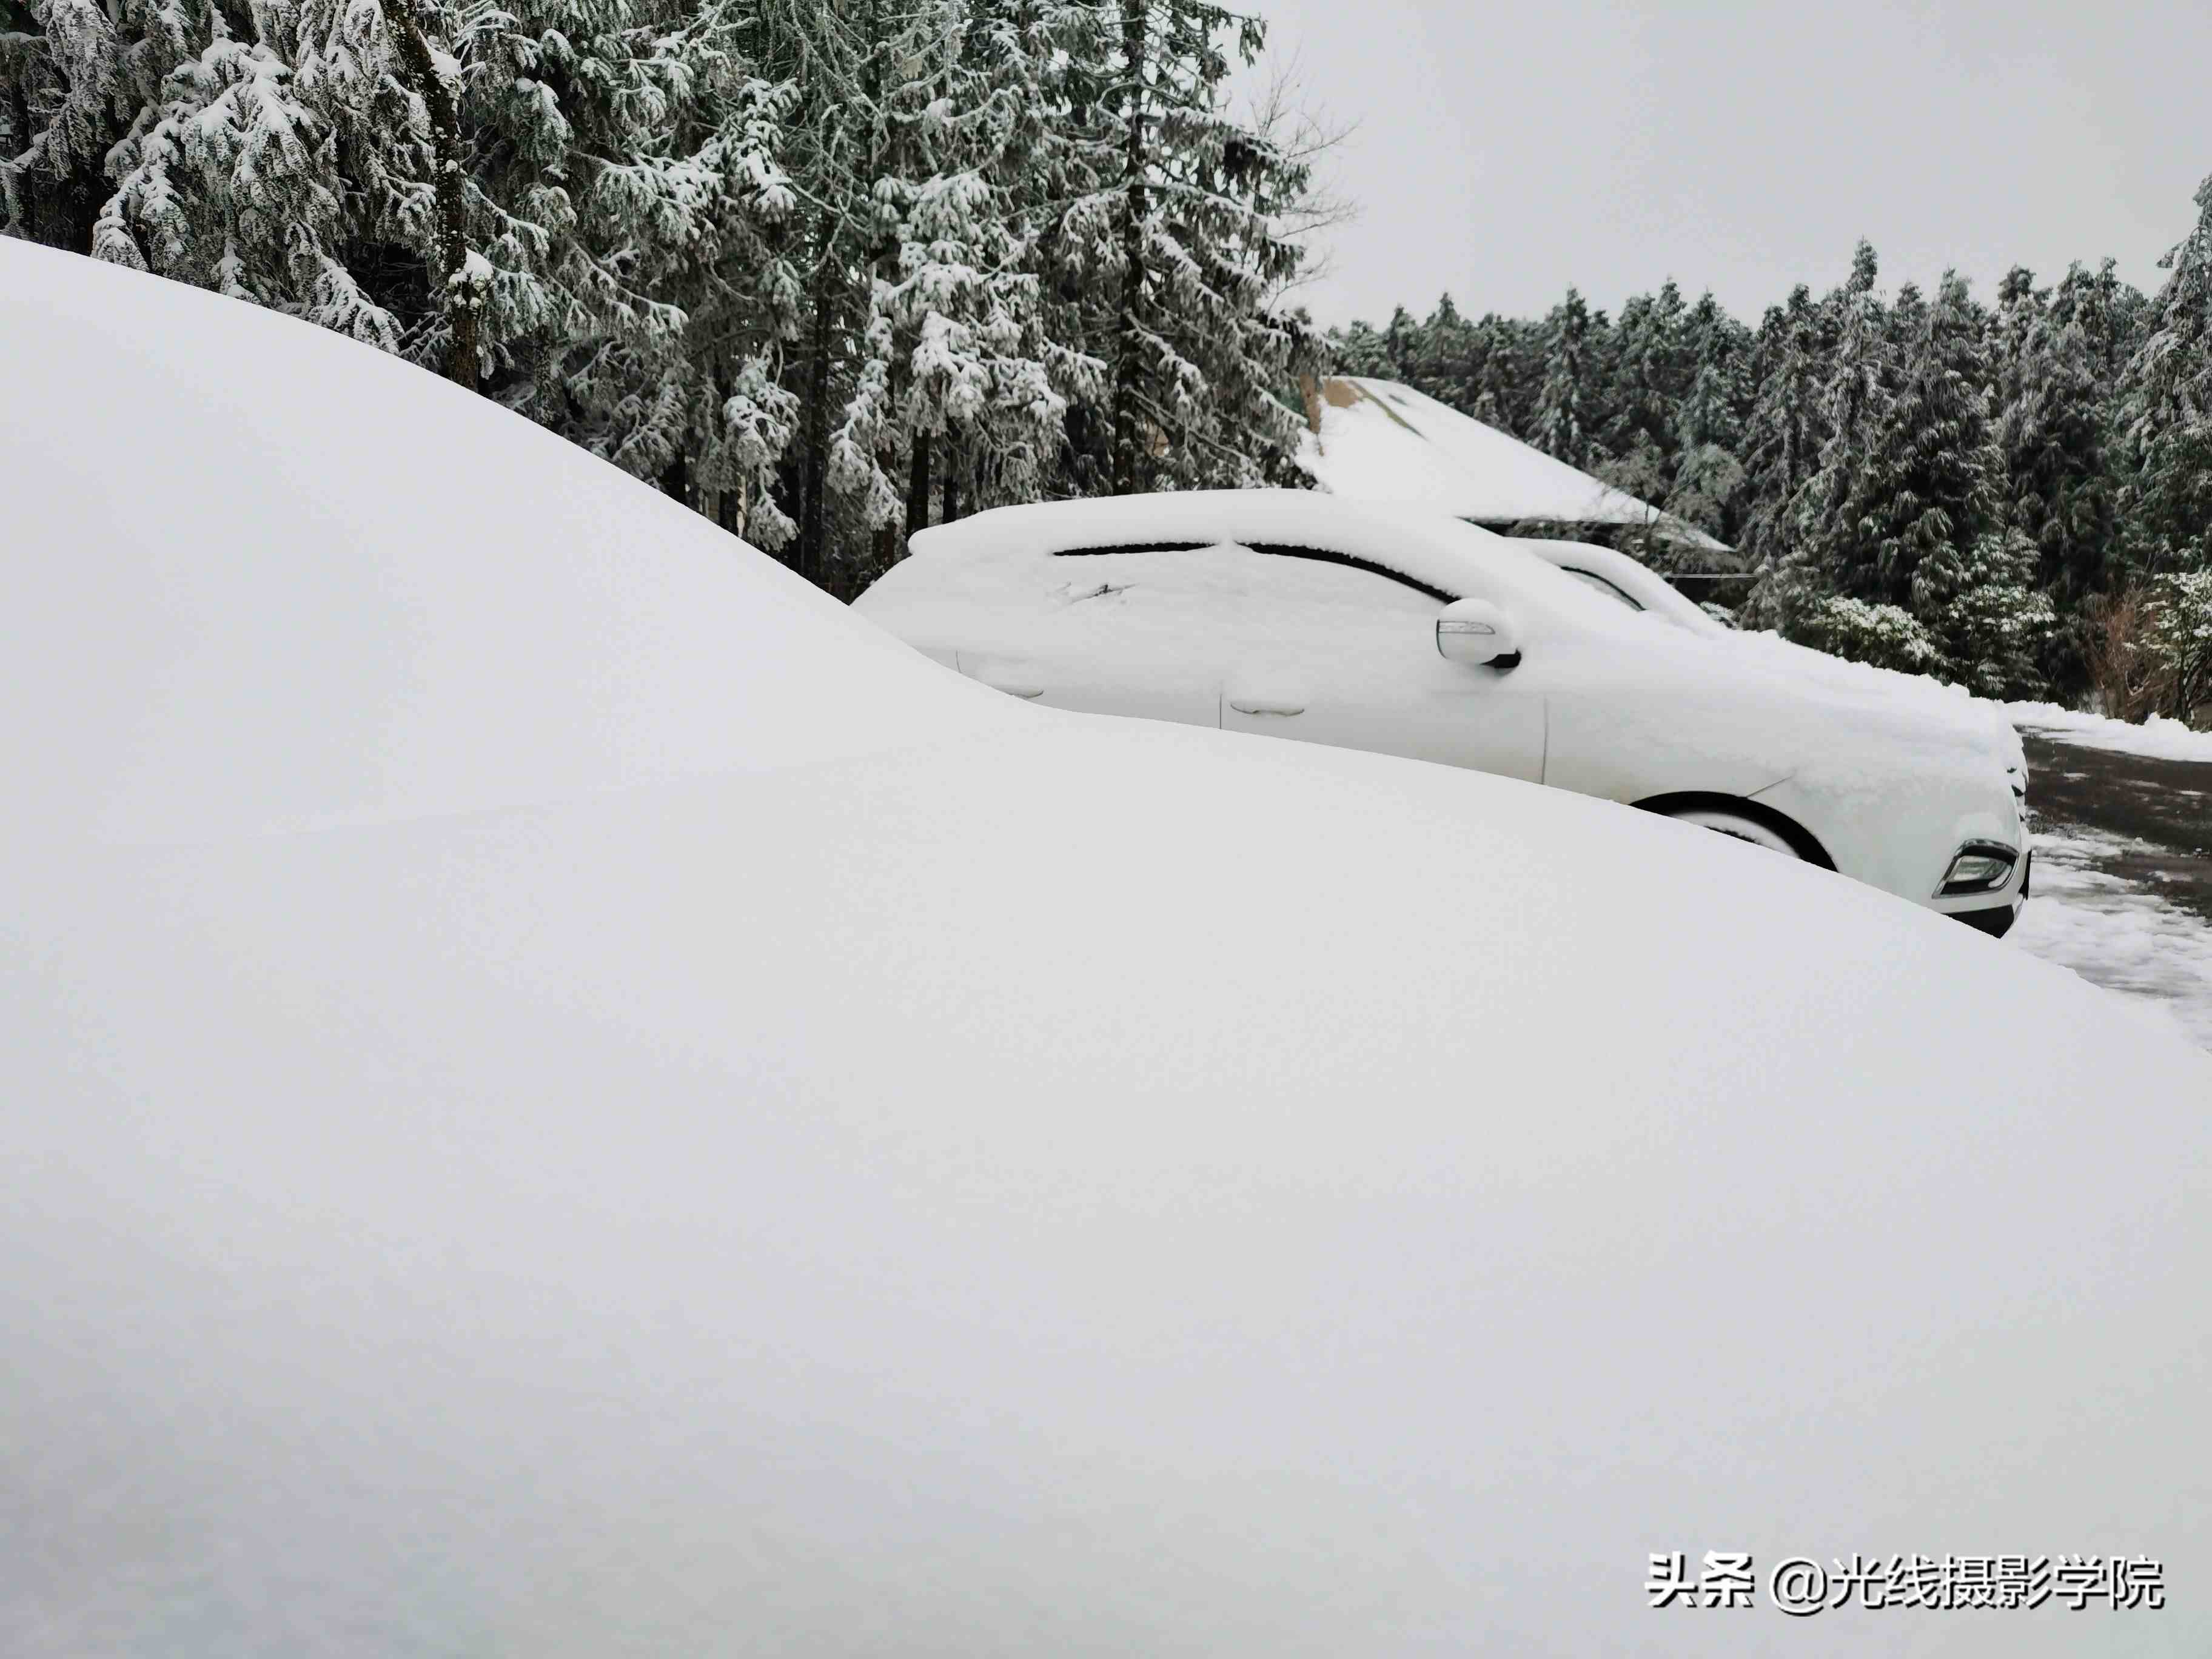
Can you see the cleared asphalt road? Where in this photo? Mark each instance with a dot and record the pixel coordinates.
(2123, 876)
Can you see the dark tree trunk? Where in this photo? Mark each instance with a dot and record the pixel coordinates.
(886, 553)
(917, 485)
(813, 523)
(951, 493)
(1128, 327)
(457, 299)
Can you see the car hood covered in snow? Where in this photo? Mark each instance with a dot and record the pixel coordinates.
(1941, 702)
(1851, 684)
(692, 1130)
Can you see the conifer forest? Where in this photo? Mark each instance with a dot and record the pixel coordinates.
(832, 270)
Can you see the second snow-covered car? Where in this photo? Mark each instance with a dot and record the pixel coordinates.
(1301, 616)
(1637, 587)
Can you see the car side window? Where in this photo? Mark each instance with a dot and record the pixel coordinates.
(1306, 610)
(1281, 551)
(1225, 603)
(1131, 547)
(1324, 556)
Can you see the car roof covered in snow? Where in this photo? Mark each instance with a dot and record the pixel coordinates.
(694, 1130)
(1381, 441)
(1427, 549)
(1425, 546)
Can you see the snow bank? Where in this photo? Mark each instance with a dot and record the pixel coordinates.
(1112, 1188)
(1381, 441)
(330, 589)
(844, 1162)
(2157, 738)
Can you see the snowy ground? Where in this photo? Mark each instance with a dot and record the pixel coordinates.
(2124, 870)
(2156, 739)
(2118, 934)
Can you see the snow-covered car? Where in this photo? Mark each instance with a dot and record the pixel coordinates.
(1637, 587)
(560, 1094)
(1306, 616)
(1625, 581)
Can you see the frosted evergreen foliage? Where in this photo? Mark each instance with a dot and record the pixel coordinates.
(2178, 640)
(825, 271)
(1886, 635)
(1985, 489)
(1995, 627)
(2165, 413)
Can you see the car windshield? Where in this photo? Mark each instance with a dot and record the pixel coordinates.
(1595, 580)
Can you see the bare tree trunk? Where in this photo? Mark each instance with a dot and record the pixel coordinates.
(952, 491)
(1128, 327)
(457, 297)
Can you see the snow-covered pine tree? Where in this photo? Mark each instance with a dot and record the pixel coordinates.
(927, 155)
(1360, 349)
(293, 166)
(1650, 374)
(1936, 467)
(1401, 343)
(1565, 423)
(1812, 536)
(632, 207)
(1168, 267)
(1709, 419)
(2110, 314)
(533, 197)
(1632, 383)
(1443, 359)
(1994, 628)
(1512, 375)
(2166, 397)
(74, 75)
(987, 374)
(2050, 423)
(1782, 441)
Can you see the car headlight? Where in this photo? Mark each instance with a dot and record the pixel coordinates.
(1979, 866)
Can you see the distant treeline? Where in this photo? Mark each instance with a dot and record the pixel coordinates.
(2016, 493)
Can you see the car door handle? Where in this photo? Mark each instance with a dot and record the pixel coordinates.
(1265, 705)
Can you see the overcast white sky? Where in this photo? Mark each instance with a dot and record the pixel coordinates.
(1505, 150)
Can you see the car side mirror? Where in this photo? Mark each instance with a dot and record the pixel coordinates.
(1477, 633)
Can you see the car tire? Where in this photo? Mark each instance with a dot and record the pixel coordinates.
(1737, 825)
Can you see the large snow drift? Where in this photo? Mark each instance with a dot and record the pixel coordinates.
(830, 1160)
(1381, 441)
(326, 591)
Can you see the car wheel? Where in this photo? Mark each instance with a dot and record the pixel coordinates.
(1741, 828)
